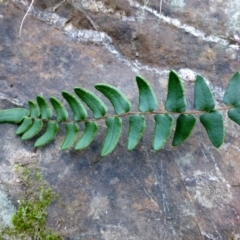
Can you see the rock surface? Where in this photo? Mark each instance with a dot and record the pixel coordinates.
(186, 192)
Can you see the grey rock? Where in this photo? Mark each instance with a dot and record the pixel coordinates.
(186, 192)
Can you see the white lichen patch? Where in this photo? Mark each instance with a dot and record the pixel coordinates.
(98, 207)
(210, 190)
(90, 5)
(7, 210)
(207, 186)
(187, 74)
(178, 3)
(234, 21)
(97, 6)
(185, 27)
(186, 160)
(188, 209)
(231, 9)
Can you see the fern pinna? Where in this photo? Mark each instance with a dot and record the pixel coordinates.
(32, 120)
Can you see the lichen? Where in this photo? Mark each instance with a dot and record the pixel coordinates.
(7, 209)
(30, 217)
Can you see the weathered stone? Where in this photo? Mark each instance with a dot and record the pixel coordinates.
(186, 192)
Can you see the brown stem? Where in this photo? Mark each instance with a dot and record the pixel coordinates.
(156, 112)
(146, 113)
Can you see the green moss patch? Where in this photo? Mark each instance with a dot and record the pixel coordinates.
(30, 218)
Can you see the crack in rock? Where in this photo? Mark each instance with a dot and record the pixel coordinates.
(187, 28)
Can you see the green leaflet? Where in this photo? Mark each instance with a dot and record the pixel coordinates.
(213, 123)
(34, 109)
(185, 125)
(45, 109)
(162, 130)
(176, 101)
(25, 125)
(147, 98)
(71, 135)
(120, 103)
(114, 127)
(232, 95)
(98, 108)
(33, 130)
(203, 98)
(79, 111)
(234, 114)
(49, 135)
(136, 129)
(14, 115)
(62, 114)
(90, 132)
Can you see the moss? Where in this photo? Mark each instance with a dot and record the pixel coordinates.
(30, 218)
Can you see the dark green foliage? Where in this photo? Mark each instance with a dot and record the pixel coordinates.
(49, 135)
(98, 108)
(147, 98)
(185, 125)
(39, 114)
(45, 109)
(62, 114)
(15, 115)
(33, 130)
(71, 135)
(213, 123)
(232, 98)
(203, 98)
(162, 130)
(89, 134)
(120, 103)
(232, 95)
(114, 125)
(137, 125)
(176, 101)
(25, 125)
(234, 114)
(34, 109)
(79, 111)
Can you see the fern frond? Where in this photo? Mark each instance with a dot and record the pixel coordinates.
(71, 134)
(49, 135)
(114, 128)
(90, 131)
(33, 130)
(147, 98)
(79, 111)
(162, 130)
(45, 109)
(176, 101)
(234, 114)
(15, 115)
(137, 125)
(31, 121)
(232, 95)
(62, 114)
(24, 126)
(97, 106)
(120, 103)
(203, 97)
(213, 123)
(185, 125)
(34, 109)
